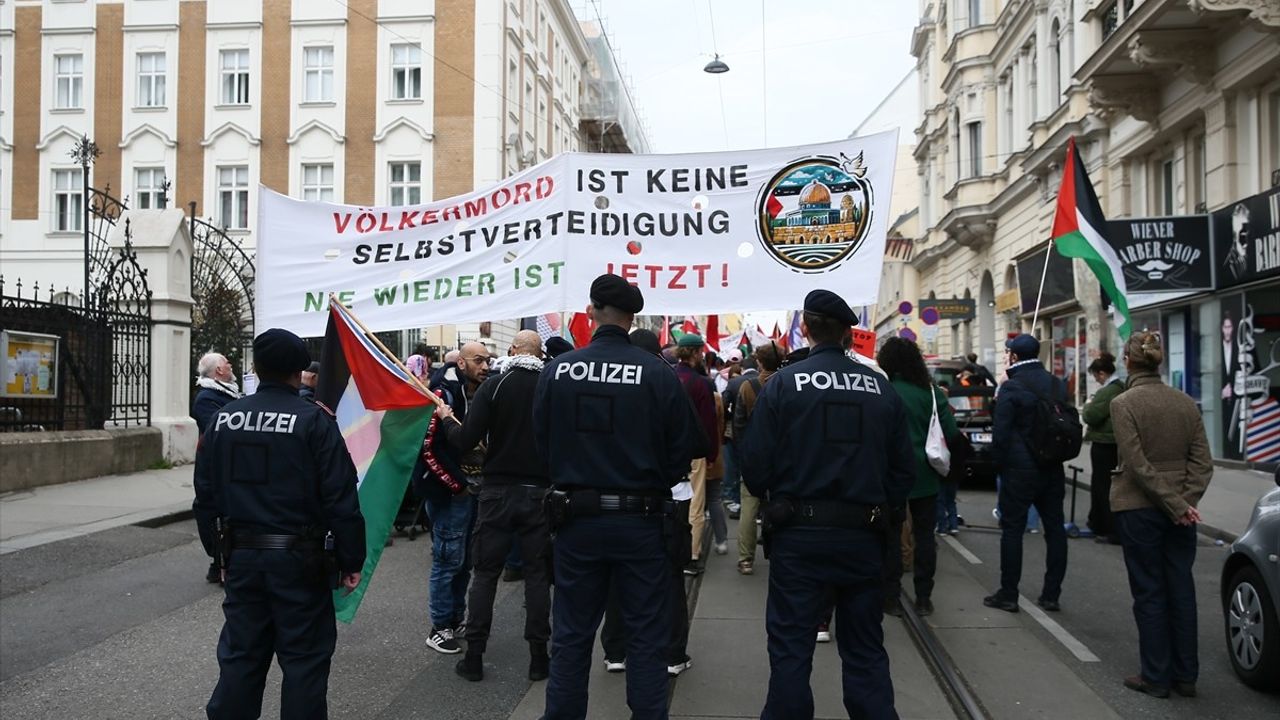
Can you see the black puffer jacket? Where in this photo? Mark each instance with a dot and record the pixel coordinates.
(1015, 414)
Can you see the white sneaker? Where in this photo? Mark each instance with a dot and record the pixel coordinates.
(722, 548)
(674, 670)
(615, 666)
(824, 636)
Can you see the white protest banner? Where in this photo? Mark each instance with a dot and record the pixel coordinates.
(698, 233)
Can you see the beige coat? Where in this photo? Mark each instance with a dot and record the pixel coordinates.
(1164, 453)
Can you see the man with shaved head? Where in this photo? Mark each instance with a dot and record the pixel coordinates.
(514, 481)
(448, 479)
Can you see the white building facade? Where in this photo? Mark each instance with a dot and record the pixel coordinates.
(1175, 109)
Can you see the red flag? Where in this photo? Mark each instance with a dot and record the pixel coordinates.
(581, 327)
(713, 333)
(664, 337)
(382, 384)
(690, 325)
(773, 207)
(777, 331)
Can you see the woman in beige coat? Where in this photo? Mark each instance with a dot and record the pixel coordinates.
(1165, 467)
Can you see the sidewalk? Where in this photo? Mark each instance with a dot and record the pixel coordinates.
(56, 512)
(1226, 505)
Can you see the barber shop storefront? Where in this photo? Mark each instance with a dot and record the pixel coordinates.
(1210, 285)
(1247, 254)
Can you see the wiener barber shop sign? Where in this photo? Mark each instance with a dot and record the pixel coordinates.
(697, 233)
(1164, 254)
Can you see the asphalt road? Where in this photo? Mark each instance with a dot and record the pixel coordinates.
(1097, 610)
(121, 624)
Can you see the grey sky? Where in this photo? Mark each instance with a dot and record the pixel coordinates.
(829, 62)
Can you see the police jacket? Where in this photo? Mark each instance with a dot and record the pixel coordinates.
(828, 428)
(613, 417)
(274, 463)
(502, 410)
(1015, 413)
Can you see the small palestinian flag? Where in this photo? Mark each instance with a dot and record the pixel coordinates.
(1079, 231)
(383, 418)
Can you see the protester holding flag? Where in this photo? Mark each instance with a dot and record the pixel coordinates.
(446, 479)
(514, 481)
(272, 476)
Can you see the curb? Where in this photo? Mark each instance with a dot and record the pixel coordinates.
(1210, 531)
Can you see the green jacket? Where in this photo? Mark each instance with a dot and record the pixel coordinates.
(1097, 413)
(915, 400)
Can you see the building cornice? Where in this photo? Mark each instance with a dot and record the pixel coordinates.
(1265, 13)
(1185, 52)
(1131, 94)
(54, 134)
(403, 122)
(315, 125)
(405, 19)
(230, 127)
(147, 129)
(920, 36)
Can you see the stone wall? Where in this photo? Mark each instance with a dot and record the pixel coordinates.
(29, 460)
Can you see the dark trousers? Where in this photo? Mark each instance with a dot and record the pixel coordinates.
(1158, 554)
(1019, 491)
(504, 513)
(1103, 458)
(808, 569)
(924, 516)
(592, 554)
(274, 605)
(613, 636)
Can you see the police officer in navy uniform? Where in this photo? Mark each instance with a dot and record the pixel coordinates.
(274, 472)
(615, 428)
(827, 447)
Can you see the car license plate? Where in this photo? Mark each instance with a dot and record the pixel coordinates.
(981, 437)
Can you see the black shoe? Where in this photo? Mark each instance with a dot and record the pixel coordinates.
(999, 603)
(1050, 605)
(512, 574)
(892, 607)
(692, 568)
(214, 575)
(1137, 683)
(1185, 689)
(539, 662)
(471, 667)
(924, 607)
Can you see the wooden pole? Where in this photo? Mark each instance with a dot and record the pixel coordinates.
(417, 384)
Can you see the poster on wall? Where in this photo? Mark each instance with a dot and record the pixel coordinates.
(697, 233)
(1247, 239)
(1250, 342)
(30, 364)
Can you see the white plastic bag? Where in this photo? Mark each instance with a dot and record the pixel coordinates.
(935, 443)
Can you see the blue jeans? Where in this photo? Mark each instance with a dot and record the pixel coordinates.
(451, 522)
(811, 569)
(592, 554)
(948, 516)
(1158, 554)
(731, 490)
(1020, 492)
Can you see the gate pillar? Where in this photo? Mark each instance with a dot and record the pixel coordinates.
(162, 241)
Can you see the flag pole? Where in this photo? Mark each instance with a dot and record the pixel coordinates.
(1035, 315)
(333, 298)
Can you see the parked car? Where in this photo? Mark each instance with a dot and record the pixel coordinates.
(972, 406)
(1250, 587)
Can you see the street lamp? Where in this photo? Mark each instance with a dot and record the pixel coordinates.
(85, 152)
(716, 66)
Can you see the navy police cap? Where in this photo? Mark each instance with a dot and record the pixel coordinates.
(281, 351)
(613, 291)
(829, 304)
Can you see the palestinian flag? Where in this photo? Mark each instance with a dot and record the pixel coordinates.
(1079, 231)
(383, 418)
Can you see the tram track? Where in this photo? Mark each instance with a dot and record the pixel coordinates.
(952, 683)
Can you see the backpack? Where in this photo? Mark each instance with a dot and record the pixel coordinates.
(1056, 433)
